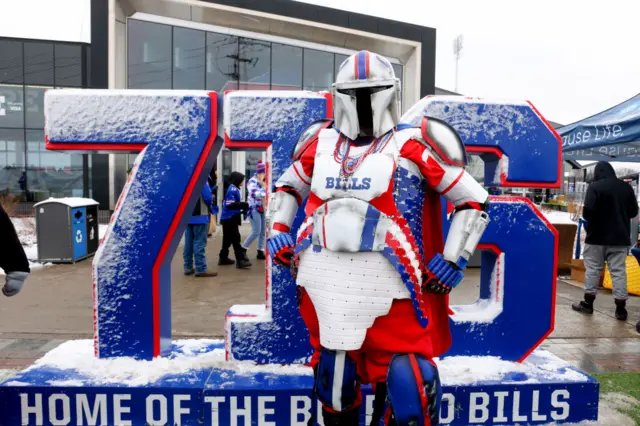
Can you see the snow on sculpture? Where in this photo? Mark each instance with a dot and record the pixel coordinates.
(360, 219)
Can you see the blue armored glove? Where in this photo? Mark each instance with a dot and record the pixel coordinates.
(281, 249)
(441, 276)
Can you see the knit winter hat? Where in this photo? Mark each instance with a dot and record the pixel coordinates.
(261, 167)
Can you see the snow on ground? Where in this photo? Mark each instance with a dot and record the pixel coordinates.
(102, 230)
(26, 230)
(612, 406)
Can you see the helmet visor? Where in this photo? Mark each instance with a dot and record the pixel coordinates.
(363, 106)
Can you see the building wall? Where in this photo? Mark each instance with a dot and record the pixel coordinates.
(167, 44)
(163, 56)
(362, 27)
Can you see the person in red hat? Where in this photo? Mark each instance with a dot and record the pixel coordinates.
(256, 189)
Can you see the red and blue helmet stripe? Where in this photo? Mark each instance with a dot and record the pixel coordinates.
(362, 65)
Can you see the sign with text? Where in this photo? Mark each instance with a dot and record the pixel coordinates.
(225, 398)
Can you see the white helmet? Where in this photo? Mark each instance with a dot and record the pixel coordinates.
(366, 96)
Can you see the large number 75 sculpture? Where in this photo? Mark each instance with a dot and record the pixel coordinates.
(178, 136)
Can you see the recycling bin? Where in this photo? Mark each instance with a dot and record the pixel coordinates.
(67, 229)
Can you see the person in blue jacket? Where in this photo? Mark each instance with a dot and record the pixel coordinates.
(231, 218)
(195, 237)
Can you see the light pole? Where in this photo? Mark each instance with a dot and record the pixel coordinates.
(457, 50)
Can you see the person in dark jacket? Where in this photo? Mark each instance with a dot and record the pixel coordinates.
(609, 206)
(13, 259)
(231, 218)
(195, 237)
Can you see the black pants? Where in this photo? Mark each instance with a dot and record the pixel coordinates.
(231, 237)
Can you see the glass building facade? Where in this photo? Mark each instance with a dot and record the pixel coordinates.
(27, 69)
(161, 56)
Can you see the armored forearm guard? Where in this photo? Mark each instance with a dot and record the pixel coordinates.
(467, 226)
(283, 207)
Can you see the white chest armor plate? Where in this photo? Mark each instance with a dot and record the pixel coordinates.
(369, 181)
(349, 287)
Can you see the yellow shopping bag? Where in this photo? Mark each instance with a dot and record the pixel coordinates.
(633, 276)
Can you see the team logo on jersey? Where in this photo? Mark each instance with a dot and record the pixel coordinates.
(355, 184)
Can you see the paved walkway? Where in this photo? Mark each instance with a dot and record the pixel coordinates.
(56, 305)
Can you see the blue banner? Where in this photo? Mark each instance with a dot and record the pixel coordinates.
(611, 134)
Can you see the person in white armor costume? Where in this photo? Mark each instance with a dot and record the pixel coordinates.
(372, 271)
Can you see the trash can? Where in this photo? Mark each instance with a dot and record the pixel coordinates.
(67, 229)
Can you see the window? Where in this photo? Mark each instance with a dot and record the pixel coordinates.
(227, 164)
(68, 65)
(10, 62)
(339, 59)
(254, 61)
(38, 63)
(398, 71)
(188, 59)
(12, 173)
(221, 64)
(27, 70)
(34, 116)
(149, 55)
(286, 67)
(11, 106)
(51, 174)
(476, 168)
(88, 67)
(318, 70)
(252, 158)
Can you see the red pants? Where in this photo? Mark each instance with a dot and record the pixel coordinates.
(397, 332)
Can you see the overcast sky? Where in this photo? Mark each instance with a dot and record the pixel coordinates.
(571, 58)
(63, 20)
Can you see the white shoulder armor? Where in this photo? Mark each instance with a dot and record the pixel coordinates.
(442, 139)
(308, 136)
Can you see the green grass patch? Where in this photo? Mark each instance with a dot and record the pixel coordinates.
(626, 383)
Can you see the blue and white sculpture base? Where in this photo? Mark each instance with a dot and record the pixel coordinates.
(196, 386)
